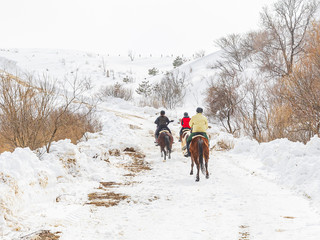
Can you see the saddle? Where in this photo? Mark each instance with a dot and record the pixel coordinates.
(199, 135)
(186, 130)
(164, 131)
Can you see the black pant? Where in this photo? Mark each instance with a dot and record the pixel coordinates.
(160, 128)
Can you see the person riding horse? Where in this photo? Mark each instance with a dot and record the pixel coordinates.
(162, 124)
(199, 125)
(184, 123)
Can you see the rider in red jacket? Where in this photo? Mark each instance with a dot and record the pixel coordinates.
(185, 123)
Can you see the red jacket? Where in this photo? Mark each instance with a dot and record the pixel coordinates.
(185, 122)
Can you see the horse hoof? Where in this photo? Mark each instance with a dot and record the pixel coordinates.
(191, 173)
(197, 180)
(207, 176)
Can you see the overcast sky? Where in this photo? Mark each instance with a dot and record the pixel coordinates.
(116, 26)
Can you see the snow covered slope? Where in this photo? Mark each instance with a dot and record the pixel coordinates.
(114, 184)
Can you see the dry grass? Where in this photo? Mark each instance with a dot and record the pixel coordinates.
(134, 127)
(288, 217)
(223, 146)
(42, 235)
(114, 152)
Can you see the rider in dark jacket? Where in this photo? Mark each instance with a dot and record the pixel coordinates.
(162, 121)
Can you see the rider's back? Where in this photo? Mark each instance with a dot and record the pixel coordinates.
(162, 121)
(199, 123)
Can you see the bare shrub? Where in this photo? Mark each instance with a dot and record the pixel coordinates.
(199, 54)
(33, 112)
(75, 124)
(171, 90)
(222, 101)
(151, 101)
(118, 91)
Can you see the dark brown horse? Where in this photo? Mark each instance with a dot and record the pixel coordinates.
(165, 141)
(199, 149)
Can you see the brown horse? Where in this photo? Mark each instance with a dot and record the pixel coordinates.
(165, 141)
(184, 136)
(199, 149)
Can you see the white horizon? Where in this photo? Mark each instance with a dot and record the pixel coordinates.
(115, 27)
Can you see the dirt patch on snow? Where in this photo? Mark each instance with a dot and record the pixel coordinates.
(244, 233)
(138, 163)
(106, 199)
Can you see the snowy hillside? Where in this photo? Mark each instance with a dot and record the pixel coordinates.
(114, 184)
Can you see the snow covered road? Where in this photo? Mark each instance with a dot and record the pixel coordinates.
(169, 204)
(236, 202)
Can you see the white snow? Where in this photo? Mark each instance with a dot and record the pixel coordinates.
(255, 191)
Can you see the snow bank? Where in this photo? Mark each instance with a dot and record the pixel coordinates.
(295, 164)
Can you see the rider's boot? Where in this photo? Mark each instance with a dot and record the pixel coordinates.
(156, 141)
(188, 150)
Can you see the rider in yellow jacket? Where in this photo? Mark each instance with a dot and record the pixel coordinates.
(199, 125)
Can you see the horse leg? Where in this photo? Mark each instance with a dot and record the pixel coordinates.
(191, 172)
(207, 173)
(198, 168)
(165, 155)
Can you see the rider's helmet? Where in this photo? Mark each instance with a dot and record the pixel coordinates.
(162, 113)
(199, 110)
(185, 114)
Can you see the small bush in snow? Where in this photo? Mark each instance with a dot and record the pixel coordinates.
(128, 79)
(144, 89)
(178, 62)
(199, 54)
(118, 91)
(153, 71)
(171, 90)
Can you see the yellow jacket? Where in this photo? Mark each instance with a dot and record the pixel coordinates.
(199, 123)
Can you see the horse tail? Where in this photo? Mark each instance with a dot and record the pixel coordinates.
(200, 148)
(167, 141)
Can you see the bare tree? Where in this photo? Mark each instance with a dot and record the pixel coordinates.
(253, 110)
(131, 55)
(233, 52)
(286, 28)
